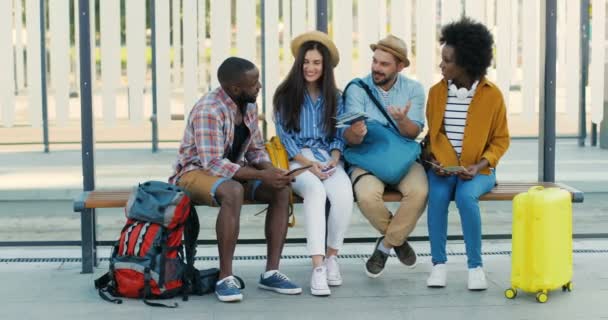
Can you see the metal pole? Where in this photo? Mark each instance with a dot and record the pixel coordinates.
(43, 91)
(263, 40)
(322, 15)
(154, 118)
(582, 117)
(547, 112)
(89, 255)
(593, 134)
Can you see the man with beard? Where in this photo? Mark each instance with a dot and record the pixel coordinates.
(222, 162)
(403, 99)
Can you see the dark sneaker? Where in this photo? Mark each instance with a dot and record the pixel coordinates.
(280, 283)
(228, 290)
(375, 264)
(406, 254)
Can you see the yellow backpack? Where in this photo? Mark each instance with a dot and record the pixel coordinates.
(280, 159)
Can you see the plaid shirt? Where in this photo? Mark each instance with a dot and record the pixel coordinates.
(209, 135)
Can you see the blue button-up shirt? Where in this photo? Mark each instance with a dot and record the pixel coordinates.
(403, 90)
(311, 135)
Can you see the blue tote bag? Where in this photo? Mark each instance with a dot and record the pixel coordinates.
(384, 152)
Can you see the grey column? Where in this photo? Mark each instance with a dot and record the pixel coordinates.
(87, 220)
(43, 91)
(603, 125)
(582, 116)
(322, 15)
(154, 118)
(263, 40)
(546, 140)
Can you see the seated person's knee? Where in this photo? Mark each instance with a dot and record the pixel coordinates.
(465, 198)
(230, 192)
(282, 194)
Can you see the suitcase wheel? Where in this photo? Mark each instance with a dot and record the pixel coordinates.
(568, 286)
(511, 293)
(542, 297)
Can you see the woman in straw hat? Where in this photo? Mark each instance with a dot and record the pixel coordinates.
(468, 135)
(305, 106)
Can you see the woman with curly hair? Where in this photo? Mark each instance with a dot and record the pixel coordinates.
(306, 105)
(468, 135)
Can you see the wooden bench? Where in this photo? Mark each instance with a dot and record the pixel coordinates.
(504, 191)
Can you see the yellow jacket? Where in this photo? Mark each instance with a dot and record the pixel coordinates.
(486, 134)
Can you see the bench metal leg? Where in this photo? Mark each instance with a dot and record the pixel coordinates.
(89, 244)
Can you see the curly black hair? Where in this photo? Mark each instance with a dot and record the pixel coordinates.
(472, 43)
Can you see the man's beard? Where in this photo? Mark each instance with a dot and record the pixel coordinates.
(243, 99)
(384, 81)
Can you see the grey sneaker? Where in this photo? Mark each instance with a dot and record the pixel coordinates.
(406, 254)
(375, 264)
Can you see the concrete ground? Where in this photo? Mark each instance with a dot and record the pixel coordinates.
(57, 290)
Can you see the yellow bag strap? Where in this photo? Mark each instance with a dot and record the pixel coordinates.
(278, 157)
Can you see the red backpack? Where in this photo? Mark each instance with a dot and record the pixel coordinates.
(149, 260)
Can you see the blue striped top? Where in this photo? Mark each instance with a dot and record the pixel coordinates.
(311, 133)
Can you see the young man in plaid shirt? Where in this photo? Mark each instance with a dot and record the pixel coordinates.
(222, 162)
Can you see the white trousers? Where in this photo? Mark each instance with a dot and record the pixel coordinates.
(337, 188)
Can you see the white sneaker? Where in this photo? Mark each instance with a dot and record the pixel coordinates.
(477, 279)
(438, 277)
(334, 278)
(318, 282)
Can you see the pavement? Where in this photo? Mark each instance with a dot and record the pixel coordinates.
(50, 286)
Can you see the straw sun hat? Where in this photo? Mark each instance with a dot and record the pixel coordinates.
(319, 37)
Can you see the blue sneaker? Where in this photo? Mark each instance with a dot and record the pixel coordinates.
(279, 282)
(228, 290)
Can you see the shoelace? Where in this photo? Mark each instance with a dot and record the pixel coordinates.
(232, 283)
(281, 276)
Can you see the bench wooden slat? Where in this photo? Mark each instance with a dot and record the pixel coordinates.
(504, 191)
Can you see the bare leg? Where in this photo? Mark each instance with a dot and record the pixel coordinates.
(331, 252)
(230, 195)
(317, 260)
(276, 222)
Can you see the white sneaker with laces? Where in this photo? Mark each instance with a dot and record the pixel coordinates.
(318, 282)
(334, 278)
(477, 279)
(438, 277)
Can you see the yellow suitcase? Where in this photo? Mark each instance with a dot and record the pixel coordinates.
(541, 254)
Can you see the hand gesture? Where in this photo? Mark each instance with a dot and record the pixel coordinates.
(276, 178)
(400, 114)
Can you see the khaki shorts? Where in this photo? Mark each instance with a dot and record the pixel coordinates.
(201, 187)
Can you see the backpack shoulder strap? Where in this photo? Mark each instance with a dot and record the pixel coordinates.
(361, 84)
(191, 274)
(191, 231)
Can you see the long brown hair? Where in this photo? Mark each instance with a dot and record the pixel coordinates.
(289, 96)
